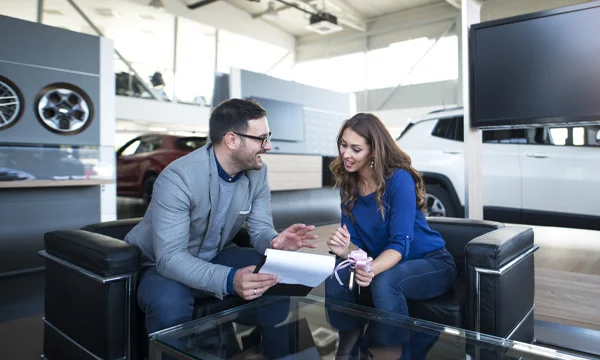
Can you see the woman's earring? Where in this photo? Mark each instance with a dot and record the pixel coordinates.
(372, 163)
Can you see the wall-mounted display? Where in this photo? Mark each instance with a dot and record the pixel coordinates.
(11, 103)
(64, 108)
(539, 68)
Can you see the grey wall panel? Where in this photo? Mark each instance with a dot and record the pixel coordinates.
(33, 43)
(30, 81)
(324, 111)
(260, 85)
(321, 131)
(26, 214)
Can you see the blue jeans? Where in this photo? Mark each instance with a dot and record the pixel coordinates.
(167, 303)
(417, 279)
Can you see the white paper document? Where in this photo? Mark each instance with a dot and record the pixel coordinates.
(293, 267)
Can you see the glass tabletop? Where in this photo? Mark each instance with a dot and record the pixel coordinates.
(315, 328)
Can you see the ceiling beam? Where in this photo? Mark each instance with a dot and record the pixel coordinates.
(455, 3)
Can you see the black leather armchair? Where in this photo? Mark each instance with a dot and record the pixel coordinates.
(494, 289)
(91, 280)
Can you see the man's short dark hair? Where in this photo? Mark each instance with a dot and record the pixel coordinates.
(233, 115)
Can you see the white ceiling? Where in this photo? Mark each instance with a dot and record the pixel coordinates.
(295, 21)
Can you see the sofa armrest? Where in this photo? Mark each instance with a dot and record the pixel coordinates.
(116, 229)
(99, 254)
(500, 283)
(497, 248)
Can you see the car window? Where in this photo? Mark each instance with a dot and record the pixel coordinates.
(131, 149)
(451, 129)
(575, 136)
(149, 144)
(538, 136)
(504, 136)
(190, 143)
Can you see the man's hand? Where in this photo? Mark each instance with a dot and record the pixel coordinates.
(294, 238)
(250, 286)
(339, 242)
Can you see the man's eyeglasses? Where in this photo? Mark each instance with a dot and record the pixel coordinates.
(263, 139)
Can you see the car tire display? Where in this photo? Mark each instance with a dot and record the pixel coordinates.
(64, 108)
(438, 201)
(11, 103)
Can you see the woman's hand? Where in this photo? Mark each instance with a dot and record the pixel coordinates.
(339, 242)
(362, 277)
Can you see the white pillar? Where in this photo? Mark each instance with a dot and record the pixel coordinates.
(106, 108)
(470, 14)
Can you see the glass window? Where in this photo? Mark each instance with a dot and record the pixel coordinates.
(390, 66)
(131, 149)
(238, 51)
(340, 73)
(190, 143)
(195, 62)
(578, 136)
(440, 64)
(149, 144)
(451, 129)
(558, 136)
(504, 136)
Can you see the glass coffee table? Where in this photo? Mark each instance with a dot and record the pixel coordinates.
(314, 328)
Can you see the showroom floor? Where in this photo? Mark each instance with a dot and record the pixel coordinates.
(567, 289)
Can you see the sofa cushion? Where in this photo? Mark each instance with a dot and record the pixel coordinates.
(448, 309)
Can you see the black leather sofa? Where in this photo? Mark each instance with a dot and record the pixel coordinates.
(91, 278)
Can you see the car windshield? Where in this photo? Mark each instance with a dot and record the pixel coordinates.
(190, 143)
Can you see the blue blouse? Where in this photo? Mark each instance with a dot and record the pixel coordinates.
(404, 228)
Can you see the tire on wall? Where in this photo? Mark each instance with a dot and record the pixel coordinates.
(439, 203)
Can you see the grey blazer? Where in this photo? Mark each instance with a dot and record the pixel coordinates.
(173, 230)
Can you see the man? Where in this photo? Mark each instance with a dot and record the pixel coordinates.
(200, 202)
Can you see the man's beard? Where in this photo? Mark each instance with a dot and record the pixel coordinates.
(246, 160)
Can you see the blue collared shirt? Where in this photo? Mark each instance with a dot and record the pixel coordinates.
(404, 227)
(226, 177)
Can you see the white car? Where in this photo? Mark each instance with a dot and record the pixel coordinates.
(544, 175)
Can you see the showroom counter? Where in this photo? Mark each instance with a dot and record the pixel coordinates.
(53, 183)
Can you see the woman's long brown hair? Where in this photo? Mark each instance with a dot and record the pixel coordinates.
(387, 157)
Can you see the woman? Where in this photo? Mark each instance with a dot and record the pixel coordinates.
(383, 213)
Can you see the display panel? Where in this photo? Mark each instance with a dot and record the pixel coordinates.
(286, 119)
(28, 162)
(536, 69)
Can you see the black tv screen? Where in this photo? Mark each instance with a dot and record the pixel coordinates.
(286, 119)
(538, 68)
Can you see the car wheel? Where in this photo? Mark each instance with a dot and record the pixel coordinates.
(148, 188)
(438, 202)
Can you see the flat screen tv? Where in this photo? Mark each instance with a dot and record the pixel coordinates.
(286, 119)
(538, 68)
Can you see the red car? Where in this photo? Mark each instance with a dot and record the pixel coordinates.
(141, 159)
